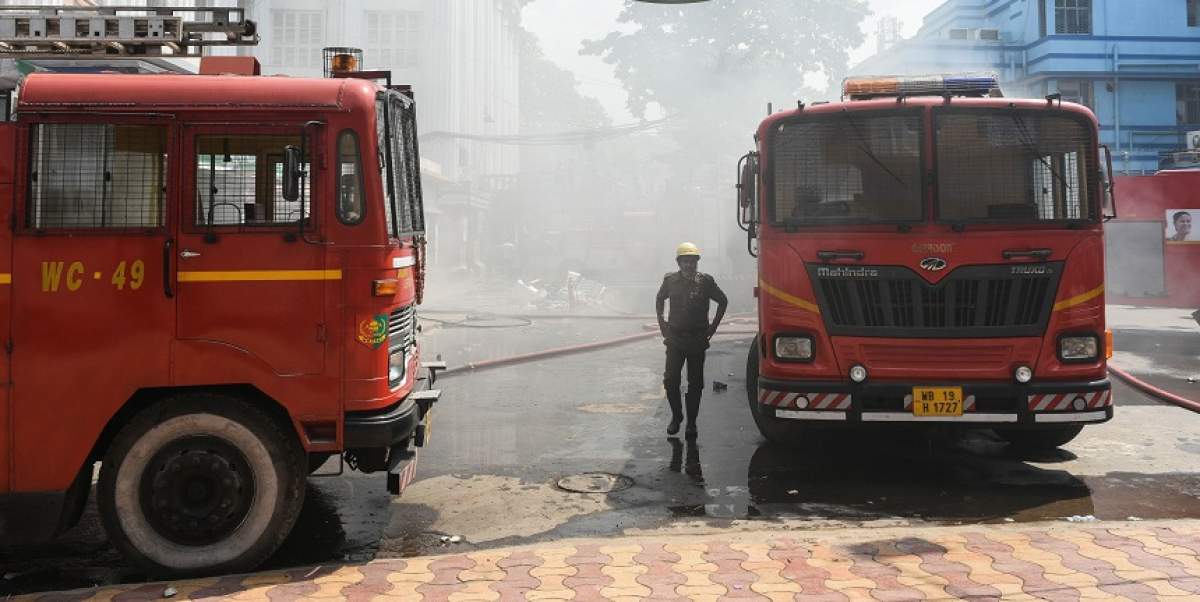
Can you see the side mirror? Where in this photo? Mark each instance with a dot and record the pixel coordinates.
(292, 170)
(1107, 184)
(747, 188)
(747, 192)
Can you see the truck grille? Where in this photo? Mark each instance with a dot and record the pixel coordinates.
(974, 301)
(402, 328)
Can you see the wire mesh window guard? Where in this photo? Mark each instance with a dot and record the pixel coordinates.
(1073, 17)
(1187, 97)
(848, 168)
(1014, 166)
(400, 166)
(96, 176)
(239, 182)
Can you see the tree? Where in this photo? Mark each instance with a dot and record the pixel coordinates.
(683, 58)
(711, 69)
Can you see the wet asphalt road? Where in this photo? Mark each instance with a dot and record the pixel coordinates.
(503, 438)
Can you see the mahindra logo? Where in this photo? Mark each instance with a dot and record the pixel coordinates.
(933, 264)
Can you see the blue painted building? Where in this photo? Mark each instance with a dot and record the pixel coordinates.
(1136, 63)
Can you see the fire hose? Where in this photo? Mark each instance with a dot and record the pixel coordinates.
(1154, 391)
(571, 349)
(652, 332)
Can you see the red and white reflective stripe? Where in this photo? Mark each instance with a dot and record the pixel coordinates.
(830, 401)
(804, 401)
(1057, 402)
(968, 406)
(408, 474)
(1100, 399)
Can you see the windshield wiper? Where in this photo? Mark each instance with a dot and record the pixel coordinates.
(866, 149)
(1027, 140)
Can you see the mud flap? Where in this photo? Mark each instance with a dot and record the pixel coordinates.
(402, 461)
(401, 471)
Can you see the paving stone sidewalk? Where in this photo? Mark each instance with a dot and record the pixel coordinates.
(1047, 561)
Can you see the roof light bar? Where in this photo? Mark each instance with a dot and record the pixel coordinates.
(859, 88)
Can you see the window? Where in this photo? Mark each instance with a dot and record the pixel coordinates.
(1073, 17)
(1193, 11)
(96, 176)
(1013, 166)
(298, 36)
(393, 38)
(396, 129)
(1187, 97)
(1041, 18)
(239, 182)
(847, 168)
(350, 179)
(1079, 91)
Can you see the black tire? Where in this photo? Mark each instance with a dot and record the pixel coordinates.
(775, 431)
(1040, 439)
(202, 483)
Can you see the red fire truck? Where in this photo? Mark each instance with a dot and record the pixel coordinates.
(929, 253)
(209, 287)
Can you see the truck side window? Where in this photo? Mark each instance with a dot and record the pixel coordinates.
(90, 176)
(350, 204)
(239, 181)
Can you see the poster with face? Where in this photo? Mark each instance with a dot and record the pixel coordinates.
(1179, 225)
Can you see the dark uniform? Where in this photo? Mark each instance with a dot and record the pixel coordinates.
(687, 335)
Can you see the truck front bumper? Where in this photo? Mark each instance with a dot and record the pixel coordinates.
(388, 439)
(987, 403)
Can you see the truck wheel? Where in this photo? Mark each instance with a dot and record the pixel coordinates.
(1041, 439)
(202, 483)
(773, 430)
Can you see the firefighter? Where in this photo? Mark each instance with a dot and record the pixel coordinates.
(687, 331)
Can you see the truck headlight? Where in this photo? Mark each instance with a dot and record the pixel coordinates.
(794, 348)
(396, 367)
(1078, 348)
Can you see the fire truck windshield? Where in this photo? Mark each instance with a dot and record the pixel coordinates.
(849, 167)
(1004, 165)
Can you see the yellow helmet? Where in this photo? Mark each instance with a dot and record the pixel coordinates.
(687, 249)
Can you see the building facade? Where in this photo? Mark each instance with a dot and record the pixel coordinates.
(1135, 63)
(462, 58)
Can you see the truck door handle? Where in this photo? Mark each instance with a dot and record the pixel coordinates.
(167, 246)
(188, 254)
(1027, 253)
(835, 255)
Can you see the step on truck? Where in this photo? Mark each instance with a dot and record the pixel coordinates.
(208, 288)
(929, 253)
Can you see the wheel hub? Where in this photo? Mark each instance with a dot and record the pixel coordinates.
(197, 490)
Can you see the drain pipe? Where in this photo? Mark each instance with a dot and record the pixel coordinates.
(1154, 391)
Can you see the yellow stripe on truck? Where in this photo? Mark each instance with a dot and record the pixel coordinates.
(259, 275)
(789, 299)
(1079, 299)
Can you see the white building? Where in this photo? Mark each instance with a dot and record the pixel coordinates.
(461, 56)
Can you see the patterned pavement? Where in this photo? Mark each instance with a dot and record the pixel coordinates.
(1051, 561)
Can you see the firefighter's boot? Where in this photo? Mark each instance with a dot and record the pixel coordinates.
(673, 398)
(693, 412)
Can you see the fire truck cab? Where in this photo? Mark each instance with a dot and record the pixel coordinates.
(207, 286)
(929, 253)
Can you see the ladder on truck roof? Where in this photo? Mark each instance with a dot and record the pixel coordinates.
(74, 31)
